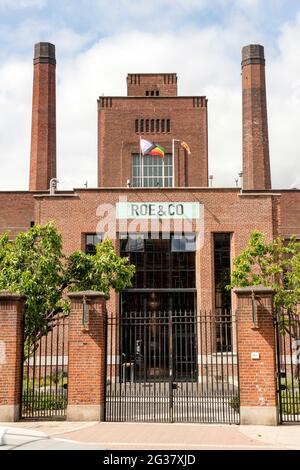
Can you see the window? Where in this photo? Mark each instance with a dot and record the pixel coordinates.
(222, 295)
(91, 241)
(157, 264)
(152, 172)
(135, 242)
(183, 243)
(152, 125)
(222, 269)
(157, 93)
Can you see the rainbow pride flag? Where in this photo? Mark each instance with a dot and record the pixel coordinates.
(150, 148)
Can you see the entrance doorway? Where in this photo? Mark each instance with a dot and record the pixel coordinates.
(150, 346)
(164, 282)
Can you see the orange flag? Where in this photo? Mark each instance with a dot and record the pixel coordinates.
(186, 147)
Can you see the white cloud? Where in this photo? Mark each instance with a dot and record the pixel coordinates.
(15, 120)
(144, 5)
(207, 62)
(246, 4)
(67, 41)
(21, 4)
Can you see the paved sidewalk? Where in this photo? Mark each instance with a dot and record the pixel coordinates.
(20, 438)
(139, 436)
(287, 435)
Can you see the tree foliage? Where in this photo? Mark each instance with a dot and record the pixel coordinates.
(33, 264)
(273, 264)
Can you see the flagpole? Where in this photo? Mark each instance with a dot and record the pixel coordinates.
(173, 158)
(142, 171)
(141, 180)
(173, 162)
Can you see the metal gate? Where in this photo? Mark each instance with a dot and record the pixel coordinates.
(172, 367)
(45, 373)
(288, 363)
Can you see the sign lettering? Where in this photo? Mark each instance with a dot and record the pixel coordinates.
(158, 210)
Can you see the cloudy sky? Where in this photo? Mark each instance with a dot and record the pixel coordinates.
(99, 41)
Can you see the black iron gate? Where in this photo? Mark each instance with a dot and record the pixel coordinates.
(45, 372)
(288, 363)
(172, 367)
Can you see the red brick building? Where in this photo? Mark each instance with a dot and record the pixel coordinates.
(153, 111)
(174, 272)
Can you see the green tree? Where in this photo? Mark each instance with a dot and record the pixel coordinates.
(33, 264)
(273, 264)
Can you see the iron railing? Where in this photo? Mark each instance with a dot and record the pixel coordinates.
(172, 367)
(45, 374)
(288, 363)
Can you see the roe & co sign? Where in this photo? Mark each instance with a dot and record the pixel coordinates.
(158, 210)
(125, 217)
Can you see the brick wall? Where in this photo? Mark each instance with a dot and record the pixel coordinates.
(289, 213)
(163, 83)
(16, 211)
(224, 211)
(117, 138)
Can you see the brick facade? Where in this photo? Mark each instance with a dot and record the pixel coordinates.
(289, 220)
(152, 84)
(225, 210)
(118, 136)
(16, 212)
(152, 97)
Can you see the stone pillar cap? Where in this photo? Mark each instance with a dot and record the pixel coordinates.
(5, 295)
(87, 293)
(260, 289)
(44, 53)
(253, 54)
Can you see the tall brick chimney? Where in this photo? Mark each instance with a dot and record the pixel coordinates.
(256, 159)
(43, 131)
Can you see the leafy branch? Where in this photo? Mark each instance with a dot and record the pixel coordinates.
(34, 265)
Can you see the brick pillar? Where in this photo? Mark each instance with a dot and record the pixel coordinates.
(86, 364)
(11, 351)
(257, 356)
(43, 129)
(256, 159)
